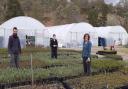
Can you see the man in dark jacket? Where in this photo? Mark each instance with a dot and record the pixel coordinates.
(54, 46)
(14, 48)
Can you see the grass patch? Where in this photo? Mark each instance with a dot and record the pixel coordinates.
(70, 64)
(100, 81)
(107, 65)
(13, 75)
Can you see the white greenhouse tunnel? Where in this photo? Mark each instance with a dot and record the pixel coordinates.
(68, 35)
(61, 33)
(26, 26)
(113, 33)
(71, 35)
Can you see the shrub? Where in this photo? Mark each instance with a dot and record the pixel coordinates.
(3, 50)
(114, 57)
(100, 81)
(107, 65)
(124, 70)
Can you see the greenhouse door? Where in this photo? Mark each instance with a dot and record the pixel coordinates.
(30, 40)
(1, 42)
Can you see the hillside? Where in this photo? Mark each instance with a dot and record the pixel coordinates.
(56, 12)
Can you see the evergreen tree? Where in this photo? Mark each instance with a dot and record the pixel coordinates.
(93, 16)
(104, 12)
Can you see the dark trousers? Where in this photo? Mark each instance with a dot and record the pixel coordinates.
(87, 66)
(54, 53)
(14, 61)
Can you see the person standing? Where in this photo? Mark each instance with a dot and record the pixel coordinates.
(14, 48)
(112, 47)
(86, 54)
(54, 46)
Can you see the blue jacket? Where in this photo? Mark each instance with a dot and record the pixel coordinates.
(86, 52)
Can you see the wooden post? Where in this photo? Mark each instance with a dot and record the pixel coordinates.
(106, 82)
(32, 79)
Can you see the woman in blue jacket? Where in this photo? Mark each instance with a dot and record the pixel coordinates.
(86, 54)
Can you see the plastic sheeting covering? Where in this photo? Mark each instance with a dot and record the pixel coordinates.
(71, 35)
(113, 33)
(26, 26)
(23, 22)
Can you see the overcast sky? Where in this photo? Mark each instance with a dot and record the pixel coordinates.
(112, 1)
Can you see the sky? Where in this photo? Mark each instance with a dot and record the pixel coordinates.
(112, 1)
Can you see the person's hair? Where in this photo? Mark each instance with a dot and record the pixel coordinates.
(54, 34)
(86, 35)
(14, 28)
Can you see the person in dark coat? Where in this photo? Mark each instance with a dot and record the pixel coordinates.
(14, 48)
(54, 46)
(86, 54)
